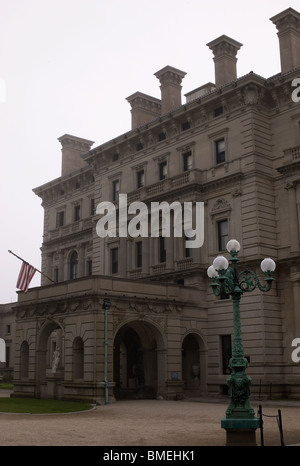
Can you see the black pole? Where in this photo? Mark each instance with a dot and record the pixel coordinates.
(261, 426)
(280, 428)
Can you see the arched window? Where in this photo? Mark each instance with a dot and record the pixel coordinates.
(78, 358)
(74, 265)
(24, 359)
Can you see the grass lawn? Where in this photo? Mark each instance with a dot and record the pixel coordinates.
(37, 406)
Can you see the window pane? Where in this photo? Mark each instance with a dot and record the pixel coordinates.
(187, 161)
(220, 151)
(114, 260)
(116, 185)
(222, 234)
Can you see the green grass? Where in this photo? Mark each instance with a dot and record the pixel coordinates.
(6, 386)
(37, 406)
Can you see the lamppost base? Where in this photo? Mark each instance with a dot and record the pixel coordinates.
(240, 432)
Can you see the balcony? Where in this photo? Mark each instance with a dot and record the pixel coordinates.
(165, 186)
(292, 154)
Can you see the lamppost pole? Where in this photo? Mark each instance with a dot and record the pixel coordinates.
(240, 421)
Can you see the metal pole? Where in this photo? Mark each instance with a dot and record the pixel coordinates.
(261, 426)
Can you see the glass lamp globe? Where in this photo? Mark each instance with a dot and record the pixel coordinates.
(211, 272)
(220, 263)
(268, 265)
(233, 245)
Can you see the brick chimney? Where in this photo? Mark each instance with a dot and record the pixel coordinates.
(288, 25)
(144, 108)
(225, 50)
(170, 79)
(72, 149)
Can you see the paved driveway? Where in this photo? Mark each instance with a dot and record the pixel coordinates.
(143, 423)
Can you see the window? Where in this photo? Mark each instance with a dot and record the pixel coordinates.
(185, 126)
(74, 266)
(220, 151)
(222, 234)
(60, 219)
(187, 251)
(162, 136)
(92, 207)
(56, 274)
(162, 249)
(115, 157)
(76, 213)
(116, 189)
(89, 267)
(226, 353)
(139, 146)
(140, 178)
(163, 170)
(187, 161)
(218, 111)
(114, 260)
(138, 251)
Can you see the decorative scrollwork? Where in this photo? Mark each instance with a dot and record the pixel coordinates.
(248, 281)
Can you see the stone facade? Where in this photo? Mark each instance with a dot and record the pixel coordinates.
(235, 146)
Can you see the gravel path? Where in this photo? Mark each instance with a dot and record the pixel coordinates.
(143, 423)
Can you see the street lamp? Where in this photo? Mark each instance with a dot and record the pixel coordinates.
(240, 421)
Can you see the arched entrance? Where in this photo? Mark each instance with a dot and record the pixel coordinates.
(50, 360)
(139, 361)
(194, 365)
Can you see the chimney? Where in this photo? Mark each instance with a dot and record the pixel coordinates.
(225, 50)
(144, 108)
(288, 25)
(170, 79)
(72, 149)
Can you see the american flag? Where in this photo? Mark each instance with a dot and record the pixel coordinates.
(25, 276)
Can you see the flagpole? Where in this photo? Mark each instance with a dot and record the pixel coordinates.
(34, 267)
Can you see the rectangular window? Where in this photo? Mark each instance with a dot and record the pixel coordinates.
(218, 111)
(163, 170)
(92, 207)
(187, 251)
(186, 125)
(140, 178)
(56, 275)
(162, 249)
(222, 234)
(162, 136)
(89, 267)
(116, 189)
(220, 151)
(139, 257)
(60, 219)
(114, 260)
(187, 161)
(226, 353)
(77, 213)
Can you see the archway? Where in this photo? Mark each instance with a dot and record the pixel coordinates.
(139, 361)
(50, 359)
(194, 365)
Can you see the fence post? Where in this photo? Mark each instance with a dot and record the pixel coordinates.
(261, 425)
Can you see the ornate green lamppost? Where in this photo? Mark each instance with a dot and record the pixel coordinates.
(240, 421)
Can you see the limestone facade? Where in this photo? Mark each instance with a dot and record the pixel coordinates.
(235, 146)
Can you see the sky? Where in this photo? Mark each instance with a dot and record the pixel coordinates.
(67, 66)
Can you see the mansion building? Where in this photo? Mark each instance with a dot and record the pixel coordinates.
(136, 316)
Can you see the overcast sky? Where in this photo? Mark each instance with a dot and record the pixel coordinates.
(67, 66)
